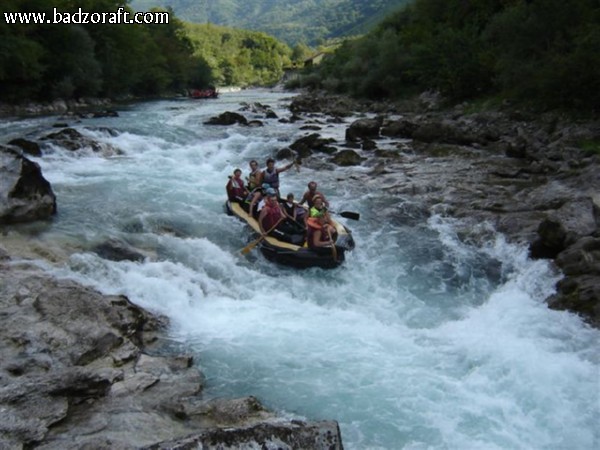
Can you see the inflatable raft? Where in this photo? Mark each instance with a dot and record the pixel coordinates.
(292, 250)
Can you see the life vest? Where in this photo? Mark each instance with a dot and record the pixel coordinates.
(312, 226)
(253, 179)
(272, 216)
(313, 223)
(289, 208)
(271, 177)
(314, 212)
(236, 188)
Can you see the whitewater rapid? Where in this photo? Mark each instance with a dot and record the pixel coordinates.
(419, 341)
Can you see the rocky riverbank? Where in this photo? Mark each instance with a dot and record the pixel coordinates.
(534, 178)
(83, 370)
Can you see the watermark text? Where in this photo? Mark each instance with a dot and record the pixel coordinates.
(81, 17)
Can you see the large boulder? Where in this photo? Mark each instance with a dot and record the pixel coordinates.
(347, 158)
(363, 129)
(306, 145)
(227, 118)
(25, 195)
(29, 147)
(551, 240)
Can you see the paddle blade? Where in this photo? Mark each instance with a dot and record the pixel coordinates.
(248, 248)
(350, 215)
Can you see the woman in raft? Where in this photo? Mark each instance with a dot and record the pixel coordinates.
(318, 235)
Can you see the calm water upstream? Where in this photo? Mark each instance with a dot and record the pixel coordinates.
(417, 342)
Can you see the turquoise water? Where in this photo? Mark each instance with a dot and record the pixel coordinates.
(418, 342)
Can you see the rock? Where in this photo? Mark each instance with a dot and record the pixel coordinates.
(580, 294)
(105, 113)
(368, 144)
(117, 250)
(583, 257)
(25, 195)
(227, 118)
(255, 123)
(347, 158)
(552, 238)
(305, 146)
(402, 128)
(363, 129)
(73, 140)
(28, 147)
(282, 436)
(285, 153)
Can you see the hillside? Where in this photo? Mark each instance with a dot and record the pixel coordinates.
(308, 21)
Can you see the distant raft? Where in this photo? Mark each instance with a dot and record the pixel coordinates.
(297, 254)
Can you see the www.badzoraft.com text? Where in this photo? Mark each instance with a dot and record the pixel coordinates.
(81, 17)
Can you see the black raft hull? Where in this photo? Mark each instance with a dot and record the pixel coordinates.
(299, 256)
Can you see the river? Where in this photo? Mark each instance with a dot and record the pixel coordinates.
(419, 341)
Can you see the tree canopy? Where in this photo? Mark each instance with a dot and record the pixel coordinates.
(292, 22)
(239, 57)
(44, 61)
(542, 51)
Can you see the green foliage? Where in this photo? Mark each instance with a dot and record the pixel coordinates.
(46, 61)
(544, 52)
(289, 21)
(239, 57)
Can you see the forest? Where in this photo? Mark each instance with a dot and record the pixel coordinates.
(545, 53)
(312, 22)
(239, 57)
(48, 61)
(542, 52)
(43, 61)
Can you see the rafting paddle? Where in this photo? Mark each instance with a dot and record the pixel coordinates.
(255, 242)
(347, 214)
(333, 249)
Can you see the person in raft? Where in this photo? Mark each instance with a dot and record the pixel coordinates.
(320, 210)
(255, 176)
(310, 195)
(273, 221)
(236, 191)
(317, 233)
(271, 174)
(291, 209)
(253, 199)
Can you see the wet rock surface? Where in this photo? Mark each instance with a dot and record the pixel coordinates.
(25, 194)
(83, 370)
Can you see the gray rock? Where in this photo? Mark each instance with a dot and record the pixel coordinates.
(28, 147)
(25, 195)
(284, 436)
(73, 140)
(227, 118)
(347, 158)
(117, 250)
(363, 129)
